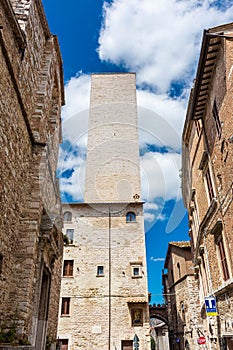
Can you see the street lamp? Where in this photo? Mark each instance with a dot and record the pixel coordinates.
(136, 342)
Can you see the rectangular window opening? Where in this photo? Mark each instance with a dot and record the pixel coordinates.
(209, 184)
(137, 317)
(217, 120)
(64, 344)
(70, 235)
(100, 271)
(68, 268)
(223, 260)
(1, 263)
(65, 307)
(126, 345)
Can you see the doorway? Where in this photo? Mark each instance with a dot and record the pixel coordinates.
(43, 311)
(126, 345)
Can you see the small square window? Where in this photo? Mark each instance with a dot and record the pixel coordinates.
(67, 216)
(136, 270)
(100, 271)
(130, 217)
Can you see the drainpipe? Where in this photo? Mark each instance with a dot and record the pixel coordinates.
(109, 279)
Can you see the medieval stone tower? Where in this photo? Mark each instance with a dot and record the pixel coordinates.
(104, 285)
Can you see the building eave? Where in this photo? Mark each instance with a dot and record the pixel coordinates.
(211, 42)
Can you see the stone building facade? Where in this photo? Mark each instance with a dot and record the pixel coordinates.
(181, 296)
(104, 296)
(207, 181)
(31, 95)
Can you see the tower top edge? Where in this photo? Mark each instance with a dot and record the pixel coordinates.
(102, 203)
(114, 73)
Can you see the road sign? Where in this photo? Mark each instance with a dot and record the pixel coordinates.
(201, 340)
(210, 306)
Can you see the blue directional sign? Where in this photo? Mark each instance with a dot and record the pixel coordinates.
(211, 306)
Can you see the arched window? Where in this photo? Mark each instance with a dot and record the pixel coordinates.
(130, 217)
(67, 216)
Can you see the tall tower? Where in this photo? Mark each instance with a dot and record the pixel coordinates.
(104, 284)
(112, 170)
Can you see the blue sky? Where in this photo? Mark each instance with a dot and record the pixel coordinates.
(160, 41)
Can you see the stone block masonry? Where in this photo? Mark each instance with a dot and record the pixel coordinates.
(31, 95)
(113, 172)
(104, 295)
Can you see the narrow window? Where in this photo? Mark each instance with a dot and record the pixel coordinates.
(65, 306)
(68, 268)
(67, 216)
(1, 263)
(70, 235)
(136, 271)
(179, 272)
(198, 127)
(137, 315)
(209, 184)
(203, 274)
(217, 120)
(196, 221)
(130, 217)
(223, 259)
(182, 307)
(100, 271)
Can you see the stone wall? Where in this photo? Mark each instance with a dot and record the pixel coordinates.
(101, 306)
(182, 297)
(112, 172)
(31, 95)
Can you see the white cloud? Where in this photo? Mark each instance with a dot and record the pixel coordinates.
(77, 95)
(149, 217)
(156, 259)
(160, 119)
(74, 184)
(150, 206)
(158, 39)
(160, 176)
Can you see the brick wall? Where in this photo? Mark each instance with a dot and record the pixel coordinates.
(211, 220)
